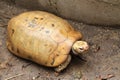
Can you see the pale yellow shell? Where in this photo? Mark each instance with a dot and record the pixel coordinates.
(41, 37)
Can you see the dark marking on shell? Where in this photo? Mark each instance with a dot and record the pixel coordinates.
(53, 25)
(35, 17)
(57, 55)
(12, 32)
(12, 48)
(53, 60)
(18, 50)
(41, 18)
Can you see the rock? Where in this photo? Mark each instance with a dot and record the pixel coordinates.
(101, 12)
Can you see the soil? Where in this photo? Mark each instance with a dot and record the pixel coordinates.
(102, 60)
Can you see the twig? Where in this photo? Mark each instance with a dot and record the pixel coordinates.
(109, 76)
(24, 66)
(3, 25)
(14, 76)
(4, 16)
(105, 78)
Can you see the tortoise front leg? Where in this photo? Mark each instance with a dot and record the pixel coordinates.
(63, 65)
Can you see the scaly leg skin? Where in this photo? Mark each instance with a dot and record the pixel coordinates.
(63, 65)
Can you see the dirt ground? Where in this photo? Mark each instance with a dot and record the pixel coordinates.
(103, 58)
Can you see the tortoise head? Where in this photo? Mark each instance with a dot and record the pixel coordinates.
(80, 47)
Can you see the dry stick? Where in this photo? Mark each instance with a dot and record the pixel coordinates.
(4, 16)
(3, 25)
(109, 76)
(14, 76)
(24, 66)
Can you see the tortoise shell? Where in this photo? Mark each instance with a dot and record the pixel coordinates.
(41, 37)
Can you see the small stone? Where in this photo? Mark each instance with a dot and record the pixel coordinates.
(33, 78)
(0, 42)
(77, 75)
(3, 65)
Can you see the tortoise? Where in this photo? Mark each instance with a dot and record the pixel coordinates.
(44, 38)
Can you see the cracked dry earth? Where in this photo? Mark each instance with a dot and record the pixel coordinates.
(103, 58)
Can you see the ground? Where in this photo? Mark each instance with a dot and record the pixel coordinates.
(102, 60)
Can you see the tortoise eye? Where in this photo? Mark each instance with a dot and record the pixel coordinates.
(81, 48)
